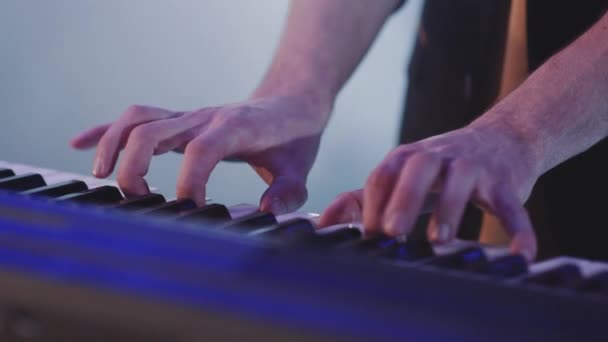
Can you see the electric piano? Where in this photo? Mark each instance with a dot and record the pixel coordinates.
(79, 262)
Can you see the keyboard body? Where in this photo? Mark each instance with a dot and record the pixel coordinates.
(85, 272)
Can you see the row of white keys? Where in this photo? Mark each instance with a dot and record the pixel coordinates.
(54, 176)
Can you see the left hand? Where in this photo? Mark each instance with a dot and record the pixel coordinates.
(487, 165)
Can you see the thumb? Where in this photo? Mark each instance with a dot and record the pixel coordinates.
(285, 194)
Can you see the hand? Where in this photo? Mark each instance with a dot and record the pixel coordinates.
(484, 165)
(277, 136)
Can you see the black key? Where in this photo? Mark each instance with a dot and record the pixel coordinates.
(292, 231)
(214, 213)
(567, 276)
(103, 195)
(22, 182)
(170, 208)
(410, 250)
(598, 283)
(511, 265)
(5, 173)
(376, 245)
(252, 222)
(335, 238)
(468, 259)
(59, 189)
(140, 202)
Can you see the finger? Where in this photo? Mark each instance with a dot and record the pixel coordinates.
(90, 137)
(378, 189)
(285, 194)
(347, 207)
(200, 158)
(514, 218)
(414, 184)
(459, 183)
(140, 148)
(117, 135)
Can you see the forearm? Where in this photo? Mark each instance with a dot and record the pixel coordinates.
(562, 108)
(323, 42)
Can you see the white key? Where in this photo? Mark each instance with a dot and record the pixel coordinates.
(588, 268)
(240, 210)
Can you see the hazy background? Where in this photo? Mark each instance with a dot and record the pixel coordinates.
(66, 65)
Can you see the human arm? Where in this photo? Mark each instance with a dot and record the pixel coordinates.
(558, 112)
(277, 130)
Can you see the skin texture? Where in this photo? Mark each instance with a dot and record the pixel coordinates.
(277, 130)
(558, 112)
(561, 110)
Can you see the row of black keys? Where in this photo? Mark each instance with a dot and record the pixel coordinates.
(302, 232)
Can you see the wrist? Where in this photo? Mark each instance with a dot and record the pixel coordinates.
(512, 141)
(315, 98)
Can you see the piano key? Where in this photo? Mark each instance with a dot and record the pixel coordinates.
(376, 245)
(210, 213)
(19, 168)
(334, 238)
(588, 268)
(294, 230)
(468, 259)
(103, 195)
(252, 222)
(598, 283)
(565, 276)
(410, 250)
(58, 190)
(507, 266)
(5, 173)
(170, 208)
(140, 202)
(298, 215)
(91, 182)
(22, 182)
(243, 209)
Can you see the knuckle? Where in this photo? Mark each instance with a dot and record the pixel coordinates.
(383, 175)
(407, 148)
(346, 197)
(426, 157)
(400, 153)
(135, 111)
(464, 166)
(143, 134)
(196, 147)
(231, 118)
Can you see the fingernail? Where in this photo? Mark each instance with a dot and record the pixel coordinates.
(97, 168)
(278, 207)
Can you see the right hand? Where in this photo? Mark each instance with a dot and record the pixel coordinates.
(278, 136)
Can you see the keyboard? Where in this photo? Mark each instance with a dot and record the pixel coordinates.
(78, 261)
